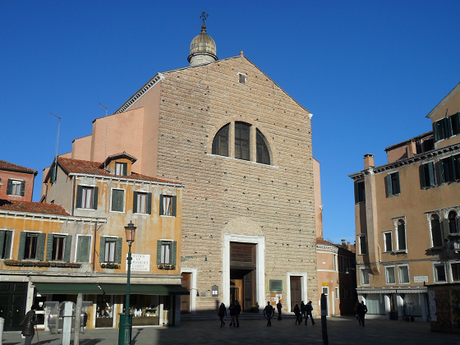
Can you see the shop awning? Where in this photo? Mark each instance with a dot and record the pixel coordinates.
(68, 288)
(109, 289)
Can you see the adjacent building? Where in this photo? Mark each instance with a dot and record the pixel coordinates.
(406, 214)
(16, 182)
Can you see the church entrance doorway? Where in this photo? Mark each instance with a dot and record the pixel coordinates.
(296, 292)
(243, 274)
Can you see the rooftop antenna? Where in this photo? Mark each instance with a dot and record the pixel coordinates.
(105, 148)
(57, 145)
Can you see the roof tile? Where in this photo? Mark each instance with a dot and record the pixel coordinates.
(34, 207)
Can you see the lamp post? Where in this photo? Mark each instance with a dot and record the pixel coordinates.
(130, 230)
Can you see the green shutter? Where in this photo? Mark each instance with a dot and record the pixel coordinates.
(441, 171)
(431, 174)
(445, 228)
(388, 185)
(22, 244)
(398, 186)
(83, 248)
(79, 193)
(8, 244)
(23, 188)
(149, 203)
(49, 247)
(125, 169)
(174, 198)
(118, 250)
(53, 174)
(95, 197)
(68, 248)
(9, 187)
(161, 205)
(159, 252)
(173, 252)
(135, 202)
(41, 246)
(102, 249)
(117, 200)
(422, 175)
(2, 242)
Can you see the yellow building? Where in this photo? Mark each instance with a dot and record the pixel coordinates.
(407, 215)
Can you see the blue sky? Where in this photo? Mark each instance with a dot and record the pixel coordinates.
(369, 71)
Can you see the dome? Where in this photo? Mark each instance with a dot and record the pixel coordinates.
(202, 49)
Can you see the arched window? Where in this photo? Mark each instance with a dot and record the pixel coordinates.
(401, 235)
(436, 231)
(262, 150)
(220, 143)
(242, 140)
(453, 222)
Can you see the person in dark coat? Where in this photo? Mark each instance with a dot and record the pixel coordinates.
(231, 309)
(308, 311)
(279, 306)
(269, 311)
(237, 313)
(298, 316)
(362, 310)
(222, 313)
(302, 309)
(28, 325)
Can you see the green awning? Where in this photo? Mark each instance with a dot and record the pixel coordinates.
(68, 288)
(109, 289)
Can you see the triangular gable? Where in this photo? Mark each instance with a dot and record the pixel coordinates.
(444, 101)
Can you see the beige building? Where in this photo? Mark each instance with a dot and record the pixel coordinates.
(407, 217)
(242, 147)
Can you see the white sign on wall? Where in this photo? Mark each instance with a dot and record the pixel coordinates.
(420, 279)
(139, 262)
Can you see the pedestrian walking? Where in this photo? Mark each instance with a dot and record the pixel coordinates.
(298, 316)
(302, 309)
(231, 310)
(222, 313)
(308, 311)
(269, 311)
(28, 325)
(237, 313)
(279, 306)
(362, 310)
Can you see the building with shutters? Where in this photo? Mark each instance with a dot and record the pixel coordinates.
(406, 212)
(16, 182)
(242, 147)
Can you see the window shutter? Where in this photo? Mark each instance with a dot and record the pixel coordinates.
(388, 185)
(95, 197)
(102, 250)
(2, 242)
(159, 252)
(161, 205)
(41, 246)
(135, 202)
(441, 171)
(125, 169)
(79, 193)
(68, 248)
(8, 244)
(118, 250)
(397, 185)
(53, 174)
(49, 247)
(422, 175)
(23, 188)
(173, 252)
(431, 174)
(445, 228)
(9, 187)
(174, 198)
(22, 243)
(83, 248)
(149, 203)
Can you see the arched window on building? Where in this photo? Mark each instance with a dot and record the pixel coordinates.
(242, 140)
(220, 142)
(436, 231)
(262, 149)
(453, 222)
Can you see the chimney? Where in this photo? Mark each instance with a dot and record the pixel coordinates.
(368, 160)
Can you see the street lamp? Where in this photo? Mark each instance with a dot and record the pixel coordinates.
(130, 230)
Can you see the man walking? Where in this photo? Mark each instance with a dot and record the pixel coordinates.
(309, 309)
(279, 306)
(28, 325)
(362, 310)
(269, 311)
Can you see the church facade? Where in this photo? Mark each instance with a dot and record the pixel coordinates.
(242, 148)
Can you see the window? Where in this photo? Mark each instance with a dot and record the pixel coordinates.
(142, 203)
(31, 246)
(390, 275)
(83, 248)
(166, 252)
(118, 200)
(455, 272)
(388, 241)
(242, 78)
(220, 142)
(167, 205)
(121, 169)
(453, 222)
(87, 197)
(6, 238)
(110, 249)
(403, 274)
(364, 275)
(455, 123)
(442, 129)
(58, 247)
(336, 293)
(362, 244)
(360, 192)
(16, 187)
(439, 273)
(427, 175)
(262, 150)
(242, 140)
(436, 231)
(447, 169)
(401, 235)
(392, 184)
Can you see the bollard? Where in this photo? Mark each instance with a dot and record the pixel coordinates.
(323, 319)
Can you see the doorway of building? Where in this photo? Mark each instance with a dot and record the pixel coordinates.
(185, 299)
(243, 274)
(13, 297)
(296, 292)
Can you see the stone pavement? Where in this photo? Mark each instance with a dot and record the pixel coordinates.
(341, 330)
